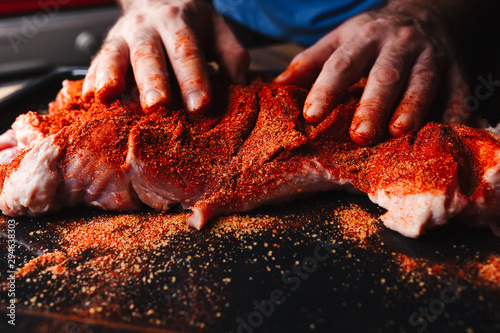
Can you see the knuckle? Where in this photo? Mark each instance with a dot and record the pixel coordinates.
(152, 78)
(308, 58)
(428, 57)
(238, 53)
(138, 19)
(184, 54)
(425, 73)
(340, 63)
(301, 57)
(316, 57)
(143, 48)
(319, 92)
(185, 47)
(437, 55)
(141, 38)
(407, 35)
(140, 57)
(371, 29)
(433, 59)
(387, 72)
(113, 47)
(191, 82)
(369, 107)
(187, 61)
(242, 57)
(170, 12)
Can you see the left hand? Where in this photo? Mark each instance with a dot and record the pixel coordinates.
(407, 60)
(152, 34)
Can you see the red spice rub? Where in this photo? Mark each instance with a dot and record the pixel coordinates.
(69, 108)
(190, 152)
(490, 270)
(8, 168)
(271, 153)
(257, 149)
(357, 225)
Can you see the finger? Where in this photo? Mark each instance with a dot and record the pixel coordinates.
(344, 68)
(416, 102)
(188, 63)
(190, 69)
(306, 66)
(150, 70)
(385, 83)
(111, 69)
(89, 81)
(232, 57)
(458, 90)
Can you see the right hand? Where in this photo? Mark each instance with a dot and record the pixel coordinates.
(408, 59)
(151, 32)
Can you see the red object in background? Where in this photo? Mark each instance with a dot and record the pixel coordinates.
(12, 7)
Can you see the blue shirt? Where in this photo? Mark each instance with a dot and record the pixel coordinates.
(300, 21)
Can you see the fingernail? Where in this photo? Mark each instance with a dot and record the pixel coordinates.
(87, 94)
(281, 78)
(100, 91)
(196, 101)
(366, 130)
(107, 89)
(404, 122)
(99, 85)
(151, 98)
(314, 112)
(294, 70)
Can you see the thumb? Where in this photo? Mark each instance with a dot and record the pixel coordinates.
(306, 66)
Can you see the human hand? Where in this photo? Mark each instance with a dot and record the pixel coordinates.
(406, 59)
(184, 33)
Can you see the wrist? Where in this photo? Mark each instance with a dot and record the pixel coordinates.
(444, 14)
(126, 5)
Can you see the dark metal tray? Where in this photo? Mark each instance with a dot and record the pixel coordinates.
(36, 94)
(358, 288)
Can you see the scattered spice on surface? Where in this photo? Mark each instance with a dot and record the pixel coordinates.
(150, 269)
(357, 224)
(121, 267)
(417, 269)
(490, 270)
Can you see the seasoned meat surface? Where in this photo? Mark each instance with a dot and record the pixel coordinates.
(253, 148)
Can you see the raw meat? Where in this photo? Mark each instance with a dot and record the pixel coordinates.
(253, 148)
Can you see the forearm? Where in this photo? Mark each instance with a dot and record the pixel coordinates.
(125, 4)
